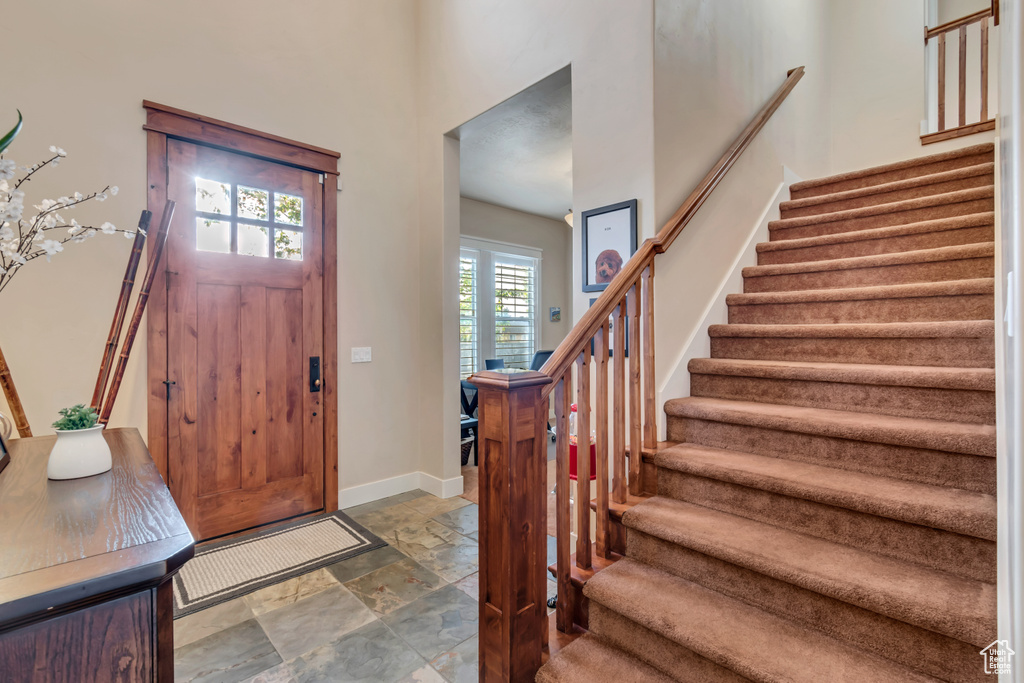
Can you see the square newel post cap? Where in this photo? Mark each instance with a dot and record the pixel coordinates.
(508, 379)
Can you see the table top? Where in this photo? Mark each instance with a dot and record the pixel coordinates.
(65, 542)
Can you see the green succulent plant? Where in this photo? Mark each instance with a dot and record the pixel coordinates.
(6, 140)
(76, 417)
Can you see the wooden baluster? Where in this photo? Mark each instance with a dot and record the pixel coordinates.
(984, 69)
(942, 81)
(635, 447)
(583, 553)
(650, 412)
(513, 415)
(601, 533)
(564, 606)
(619, 409)
(962, 109)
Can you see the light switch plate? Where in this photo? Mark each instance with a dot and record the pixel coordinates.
(361, 354)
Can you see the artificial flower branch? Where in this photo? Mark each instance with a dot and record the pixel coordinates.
(31, 240)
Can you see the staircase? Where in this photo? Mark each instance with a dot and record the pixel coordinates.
(828, 512)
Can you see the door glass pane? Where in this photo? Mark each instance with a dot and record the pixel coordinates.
(213, 235)
(252, 203)
(213, 196)
(288, 244)
(287, 209)
(253, 240)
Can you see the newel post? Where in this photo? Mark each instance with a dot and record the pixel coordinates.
(513, 523)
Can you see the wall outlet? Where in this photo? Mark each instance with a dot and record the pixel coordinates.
(361, 354)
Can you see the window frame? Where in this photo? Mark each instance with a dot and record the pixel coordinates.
(484, 250)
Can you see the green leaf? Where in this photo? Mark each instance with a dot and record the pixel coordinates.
(76, 417)
(6, 140)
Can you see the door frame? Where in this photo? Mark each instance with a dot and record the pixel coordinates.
(162, 123)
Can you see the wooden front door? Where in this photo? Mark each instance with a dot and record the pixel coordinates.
(244, 340)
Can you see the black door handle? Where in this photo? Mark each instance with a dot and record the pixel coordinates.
(314, 373)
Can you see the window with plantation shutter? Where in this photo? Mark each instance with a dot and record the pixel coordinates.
(514, 311)
(499, 286)
(469, 343)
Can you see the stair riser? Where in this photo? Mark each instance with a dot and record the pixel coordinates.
(897, 274)
(894, 175)
(887, 197)
(965, 556)
(882, 220)
(669, 657)
(914, 647)
(955, 405)
(906, 309)
(938, 468)
(874, 247)
(970, 352)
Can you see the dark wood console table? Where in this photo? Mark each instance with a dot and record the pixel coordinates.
(85, 565)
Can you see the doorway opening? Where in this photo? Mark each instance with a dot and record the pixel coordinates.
(515, 256)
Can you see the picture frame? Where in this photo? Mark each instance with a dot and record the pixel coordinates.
(609, 239)
(5, 456)
(611, 335)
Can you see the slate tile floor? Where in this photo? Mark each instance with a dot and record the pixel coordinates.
(407, 612)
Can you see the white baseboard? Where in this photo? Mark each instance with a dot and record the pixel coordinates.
(375, 490)
(442, 488)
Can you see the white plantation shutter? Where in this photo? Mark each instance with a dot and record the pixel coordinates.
(469, 337)
(515, 310)
(499, 289)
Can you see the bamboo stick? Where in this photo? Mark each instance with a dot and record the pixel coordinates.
(140, 308)
(117, 324)
(13, 400)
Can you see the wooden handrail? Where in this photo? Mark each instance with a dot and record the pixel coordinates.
(930, 33)
(581, 334)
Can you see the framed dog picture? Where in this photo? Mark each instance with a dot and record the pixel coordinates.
(609, 239)
(5, 457)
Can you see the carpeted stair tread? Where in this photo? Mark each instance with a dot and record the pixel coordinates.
(954, 253)
(589, 659)
(963, 512)
(923, 181)
(864, 177)
(971, 379)
(878, 238)
(981, 285)
(952, 437)
(976, 199)
(982, 329)
(739, 637)
(934, 600)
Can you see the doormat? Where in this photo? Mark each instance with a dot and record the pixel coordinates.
(229, 569)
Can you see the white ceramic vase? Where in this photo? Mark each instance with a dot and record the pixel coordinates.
(79, 453)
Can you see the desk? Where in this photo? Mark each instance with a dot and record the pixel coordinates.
(85, 567)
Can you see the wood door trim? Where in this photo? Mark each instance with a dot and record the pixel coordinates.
(213, 132)
(163, 122)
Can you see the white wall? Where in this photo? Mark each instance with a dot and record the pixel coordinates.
(878, 83)
(552, 238)
(339, 74)
(715, 66)
(473, 54)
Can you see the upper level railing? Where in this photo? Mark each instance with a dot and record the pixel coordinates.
(622, 414)
(941, 126)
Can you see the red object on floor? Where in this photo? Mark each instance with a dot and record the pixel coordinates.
(572, 462)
